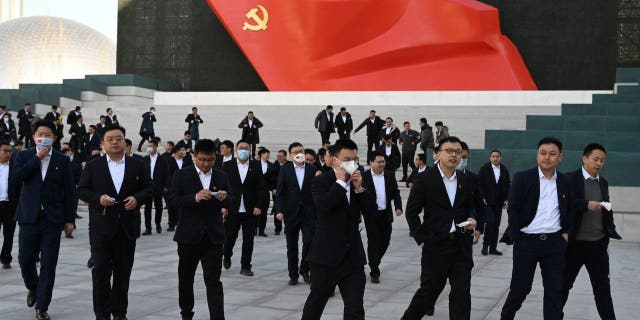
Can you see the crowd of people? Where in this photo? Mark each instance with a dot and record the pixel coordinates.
(212, 189)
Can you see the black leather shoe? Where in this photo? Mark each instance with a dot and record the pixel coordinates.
(158, 229)
(431, 311)
(42, 315)
(293, 281)
(68, 236)
(78, 216)
(90, 263)
(495, 253)
(375, 279)
(120, 318)
(277, 233)
(226, 263)
(306, 277)
(31, 298)
(262, 234)
(171, 229)
(147, 232)
(6, 266)
(485, 251)
(246, 272)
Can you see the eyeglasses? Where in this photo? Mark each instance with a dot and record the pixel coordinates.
(6, 150)
(452, 151)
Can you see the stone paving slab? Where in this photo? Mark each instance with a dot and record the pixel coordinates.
(267, 296)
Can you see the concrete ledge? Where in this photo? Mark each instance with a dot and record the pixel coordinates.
(133, 100)
(92, 96)
(624, 199)
(130, 91)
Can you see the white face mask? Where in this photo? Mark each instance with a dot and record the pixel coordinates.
(149, 150)
(349, 166)
(299, 158)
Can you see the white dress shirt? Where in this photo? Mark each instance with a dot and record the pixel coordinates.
(496, 171)
(347, 188)
(153, 159)
(547, 219)
(299, 174)
(265, 166)
(344, 119)
(423, 169)
(205, 177)
(588, 176)
(328, 116)
(250, 123)
(44, 163)
(226, 158)
(387, 130)
(179, 162)
(116, 170)
(451, 185)
(242, 169)
(381, 193)
(4, 181)
(387, 150)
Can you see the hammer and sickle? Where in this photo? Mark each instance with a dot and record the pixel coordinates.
(260, 23)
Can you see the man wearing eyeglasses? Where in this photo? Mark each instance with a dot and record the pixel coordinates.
(445, 195)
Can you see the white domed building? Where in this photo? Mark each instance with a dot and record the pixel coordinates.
(43, 49)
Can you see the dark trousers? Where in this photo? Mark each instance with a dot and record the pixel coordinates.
(145, 137)
(407, 160)
(349, 278)
(528, 251)
(41, 238)
(157, 204)
(493, 216)
(372, 143)
(232, 224)
(253, 150)
(378, 237)
(325, 136)
(210, 255)
(8, 226)
(111, 257)
(344, 135)
(449, 262)
(172, 212)
(277, 223)
(292, 232)
(593, 255)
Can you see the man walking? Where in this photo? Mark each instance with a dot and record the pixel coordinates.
(494, 182)
(324, 123)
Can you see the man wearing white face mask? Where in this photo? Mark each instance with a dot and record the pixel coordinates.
(294, 205)
(252, 199)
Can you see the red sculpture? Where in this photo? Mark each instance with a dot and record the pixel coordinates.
(355, 45)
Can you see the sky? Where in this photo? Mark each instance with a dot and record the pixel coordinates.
(101, 15)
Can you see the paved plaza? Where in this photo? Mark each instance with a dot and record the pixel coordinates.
(154, 284)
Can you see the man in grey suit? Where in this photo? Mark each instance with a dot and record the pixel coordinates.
(324, 123)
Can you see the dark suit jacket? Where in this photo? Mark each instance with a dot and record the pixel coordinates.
(71, 117)
(56, 194)
(580, 205)
(491, 192)
(390, 189)
(78, 131)
(523, 201)
(100, 129)
(109, 121)
(22, 119)
(373, 129)
(478, 203)
(186, 146)
(295, 203)
(7, 133)
(193, 121)
(429, 195)
(393, 160)
(253, 189)
(198, 219)
(173, 166)
(251, 135)
(337, 234)
(96, 180)
(160, 179)
(342, 126)
(322, 123)
(50, 116)
(147, 123)
(414, 174)
(90, 143)
(60, 132)
(13, 188)
(395, 133)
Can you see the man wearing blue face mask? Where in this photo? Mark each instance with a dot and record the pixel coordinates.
(251, 200)
(46, 207)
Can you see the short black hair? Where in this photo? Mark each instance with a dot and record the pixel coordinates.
(374, 154)
(326, 142)
(310, 151)
(386, 137)
(331, 150)
(423, 120)
(593, 146)
(54, 107)
(43, 123)
(127, 142)
(283, 152)
(3, 107)
(5, 143)
(109, 109)
(263, 151)
(450, 139)
(389, 118)
(370, 111)
(93, 126)
(111, 128)
(550, 140)
(194, 108)
(103, 117)
(187, 133)
(242, 141)
(66, 149)
(171, 143)
(343, 109)
(322, 152)
(174, 150)
(406, 122)
(18, 143)
(228, 144)
(422, 157)
(345, 144)
(293, 145)
(495, 150)
(439, 123)
(206, 146)
(78, 108)
(436, 149)
(330, 107)
(250, 112)
(464, 145)
(27, 104)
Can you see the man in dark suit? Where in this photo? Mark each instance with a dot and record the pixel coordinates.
(270, 174)
(344, 124)
(90, 141)
(281, 160)
(324, 123)
(186, 142)
(373, 124)
(251, 131)
(421, 166)
(251, 200)
(73, 115)
(128, 150)
(77, 132)
(9, 192)
(3, 111)
(53, 114)
(23, 123)
(592, 228)
(193, 119)
(381, 183)
(59, 131)
(146, 127)
(157, 167)
(391, 152)
(409, 139)
(540, 213)
(336, 255)
(445, 196)
(390, 129)
(8, 128)
(101, 125)
(294, 205)
(177, 162)
(226, 153)
(110, 118)
(494, 182)
(44, 209)
(204, 196)
(114, 186)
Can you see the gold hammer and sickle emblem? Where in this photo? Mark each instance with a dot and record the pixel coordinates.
(261, 23)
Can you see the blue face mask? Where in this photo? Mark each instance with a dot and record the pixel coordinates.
(244, 154)
(463, 164)
(44, 142)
